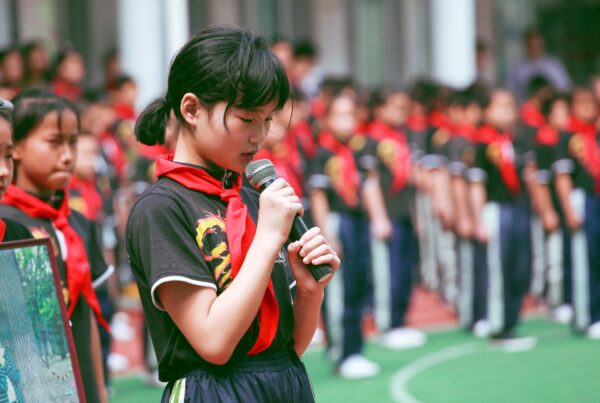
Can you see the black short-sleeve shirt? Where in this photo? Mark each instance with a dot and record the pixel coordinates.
(388, 154)
(486, 169)
(571, 157)
(80, 319)
(326, 173)
(178, 234)
(15, 231)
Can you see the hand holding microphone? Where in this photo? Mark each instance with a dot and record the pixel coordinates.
(261, 174)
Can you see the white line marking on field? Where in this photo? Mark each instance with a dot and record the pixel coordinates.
(399, 381)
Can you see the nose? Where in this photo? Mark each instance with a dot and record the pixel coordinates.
(68, 153)
(4, 169)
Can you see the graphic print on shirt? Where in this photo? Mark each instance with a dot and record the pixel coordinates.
(212, 241)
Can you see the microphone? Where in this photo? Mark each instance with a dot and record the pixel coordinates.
(260, 174)
(4, 104)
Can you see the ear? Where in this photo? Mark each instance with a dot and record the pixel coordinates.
(191, 109)
(17, 151)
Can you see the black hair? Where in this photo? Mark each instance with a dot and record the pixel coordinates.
(537, 83)
(219, 64)
(304, 48)
(548, 103)
(33, 105)
(9, 50)
(380, 95)
(6, 115)
(121, 80)
(66, 50)
(424, 92)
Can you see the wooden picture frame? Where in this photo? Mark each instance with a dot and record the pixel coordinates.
(37, 355)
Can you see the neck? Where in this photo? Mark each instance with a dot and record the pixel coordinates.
(41, 193)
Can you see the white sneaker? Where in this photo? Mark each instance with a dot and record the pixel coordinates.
(358, 366)
(593, 331)
(482, 328)
(515, 344)
(403, 338)
(562, 314)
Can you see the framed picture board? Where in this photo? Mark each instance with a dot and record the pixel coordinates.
(37, 355)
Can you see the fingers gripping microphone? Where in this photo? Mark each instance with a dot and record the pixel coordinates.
(260, 174)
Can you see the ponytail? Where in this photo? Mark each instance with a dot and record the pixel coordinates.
(151, 125)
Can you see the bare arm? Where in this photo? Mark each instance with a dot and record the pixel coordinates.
(478, 200)
(372, 196)
(564, 187)
(198, 312)
(96, 349)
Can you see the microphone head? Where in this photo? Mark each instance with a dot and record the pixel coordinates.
(260, 172)
(5, 104)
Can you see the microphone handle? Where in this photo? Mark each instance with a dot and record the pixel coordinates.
(320, 272)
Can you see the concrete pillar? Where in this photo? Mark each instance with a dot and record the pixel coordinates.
(331, 35)
(453, 41)
(150, 31)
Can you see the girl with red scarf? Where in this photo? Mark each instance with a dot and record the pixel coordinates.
(9, 230)
(45, 130)
(210, 257)
(335, 188)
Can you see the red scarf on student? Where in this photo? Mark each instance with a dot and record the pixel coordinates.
(401, 167)
(588, 132)
(531, 115)
(92, 201)
(2, 229)
(547, 135)
(79, 276)
(240, 233)
(417, 123)
(505, 159)
(347, 187)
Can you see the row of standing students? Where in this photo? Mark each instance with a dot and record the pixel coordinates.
(490, 201)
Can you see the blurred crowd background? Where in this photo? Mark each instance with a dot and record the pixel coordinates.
(441, 56)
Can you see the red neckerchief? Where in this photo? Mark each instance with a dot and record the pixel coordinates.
(465, 131)
(79, 276)
(348, 186)
(302, 132)
(416, 123)
(547, 135)
(152, 152)
(581, 127)
(91, 198)
(240, 233)
(68, 90)
(588, 132)
(114, 152)
(284, 166)
(531, 115)
(124, 111)
(506, 161)
(401, 167)
(2, 229)
(437, 119)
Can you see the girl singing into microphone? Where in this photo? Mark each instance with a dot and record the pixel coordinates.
(210, 257)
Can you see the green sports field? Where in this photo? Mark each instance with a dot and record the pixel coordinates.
(454, 367)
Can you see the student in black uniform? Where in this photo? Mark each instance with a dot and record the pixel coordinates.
(501, 209)
(577, 181)
(335, 192)
(212, 268)
(9, 230)
(394, 249)
(45, 128)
